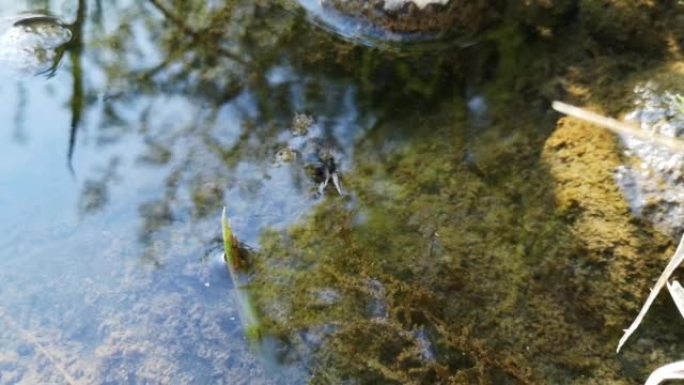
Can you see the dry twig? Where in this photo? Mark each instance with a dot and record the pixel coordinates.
(676, 260)
(673, 371)
(617, 126)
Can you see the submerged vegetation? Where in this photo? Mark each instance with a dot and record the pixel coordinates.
(672, 144)
(236, 268)
(479, 240)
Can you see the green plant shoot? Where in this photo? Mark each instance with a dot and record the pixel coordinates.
(246, 310)
(230, 248)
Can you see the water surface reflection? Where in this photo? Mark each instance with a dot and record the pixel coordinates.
(116, 165)
(442, 258)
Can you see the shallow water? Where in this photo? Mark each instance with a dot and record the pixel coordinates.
(120, 151)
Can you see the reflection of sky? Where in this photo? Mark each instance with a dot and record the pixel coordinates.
(73, 272)
(33, 176)
(65, 276)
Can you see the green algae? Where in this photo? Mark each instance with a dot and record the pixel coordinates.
(521, 265)
(513, 275)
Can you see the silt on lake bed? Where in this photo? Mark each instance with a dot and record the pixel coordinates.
(435, 223)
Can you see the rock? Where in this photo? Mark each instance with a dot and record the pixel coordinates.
(419, 19)
(29, 43)
(424, 15)
(396, 4)
(653, 179)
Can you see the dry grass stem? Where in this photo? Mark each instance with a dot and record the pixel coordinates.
(677, 292)
(676, 260)
(673, 371)
(617, 126)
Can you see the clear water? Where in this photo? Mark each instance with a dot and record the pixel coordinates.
(108, 268)
(120, 147)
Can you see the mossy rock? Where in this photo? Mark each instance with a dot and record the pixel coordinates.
(463, 16)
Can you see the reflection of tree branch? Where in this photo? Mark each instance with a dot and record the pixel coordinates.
(151, 72)
(59, 53)
(230, 157)
(75, 48)
(98, 14)
(178, 22)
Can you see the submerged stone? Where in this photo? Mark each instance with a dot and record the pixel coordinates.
(29, 43)
(405, 20)
(394, 4)
(421, 16)
(653, 180)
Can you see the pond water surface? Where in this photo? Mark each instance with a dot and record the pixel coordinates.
(127, 126)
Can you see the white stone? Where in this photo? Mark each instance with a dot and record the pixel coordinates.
(653, 182)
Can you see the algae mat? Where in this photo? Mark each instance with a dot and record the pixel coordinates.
(518, 265)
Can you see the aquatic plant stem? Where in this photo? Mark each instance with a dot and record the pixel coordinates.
(29, 338)
(246, 309)
(676, 260)
(617, 126)
(229, 246)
